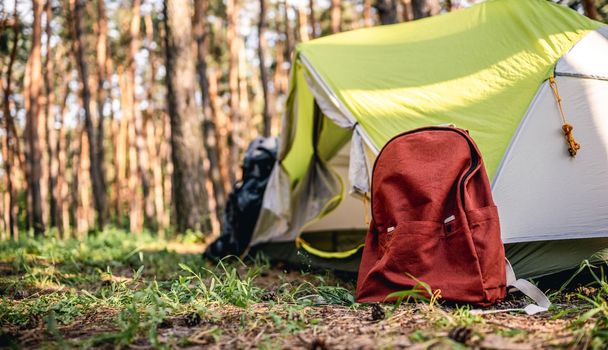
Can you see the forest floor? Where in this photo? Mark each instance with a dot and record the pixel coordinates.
(115, 290)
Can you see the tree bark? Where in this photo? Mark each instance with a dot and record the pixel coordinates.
(448, 5)
(51, 139)
(336, 16)
(95, 166)
(121, 149)
(211, 136)
(280, 86)
(102, 76)
(155, 207)
(367, 13)
(590, 7)
(61, 188)
(407, 13)
(33, 84)
(425, 8)
(387, 11)
(222, 131)
(302, 24)
(166, 160)
(287, 31)
(10, 139)
(190, 196)
(82, 184)
(244, 106)
(312, 19)
(262, 47)
(233, 82)
(137, 154)
(45, 101)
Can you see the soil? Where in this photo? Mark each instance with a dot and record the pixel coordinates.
(272, 324)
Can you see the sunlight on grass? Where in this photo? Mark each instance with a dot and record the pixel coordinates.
(118, 289)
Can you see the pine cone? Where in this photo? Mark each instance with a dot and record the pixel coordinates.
(460, 334)
(377, 312)
(193, 319)
(269, 296)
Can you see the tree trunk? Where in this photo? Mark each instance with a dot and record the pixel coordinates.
(302, 24)
(233, 82)
(33, 84)
(312, 19)
(137, 155)
(166, 160)
(336, 16)
(287, 31)
(51, 141)
(448, 5)
(122, 145)
(82, 184)
(222, 132)
(61, 188)
(279, 71)
(425, 8)
(73, 164)
(42, 139)
(407, 13)
(387, 11)
(95, 166)
(280, 80)
(190, 196)
(262, 47)
(102, 76)
(11, 139)
(155, 207)
(367, 13)
(211, 137)
(244, 106)
(590, 7)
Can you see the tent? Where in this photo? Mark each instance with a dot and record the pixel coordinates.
(486, 69)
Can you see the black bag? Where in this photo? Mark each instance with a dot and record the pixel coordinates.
(245, 200)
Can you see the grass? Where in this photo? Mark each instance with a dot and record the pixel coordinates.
(115, 290)
(134, 286)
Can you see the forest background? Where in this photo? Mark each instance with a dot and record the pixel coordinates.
(136, 113)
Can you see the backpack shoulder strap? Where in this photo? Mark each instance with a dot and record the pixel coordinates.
(541, 302)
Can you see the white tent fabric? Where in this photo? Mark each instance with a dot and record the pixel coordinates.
(542, 194)
(587, 58)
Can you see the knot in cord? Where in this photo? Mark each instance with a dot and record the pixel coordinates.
(573, 146)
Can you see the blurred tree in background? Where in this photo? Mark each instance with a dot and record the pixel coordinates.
(136, 113)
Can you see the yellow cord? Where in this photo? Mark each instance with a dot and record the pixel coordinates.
(567, 128)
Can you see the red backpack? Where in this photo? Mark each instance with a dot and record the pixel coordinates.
(433, 220)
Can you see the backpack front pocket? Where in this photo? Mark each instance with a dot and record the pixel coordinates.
(411, 248)
(420, 251)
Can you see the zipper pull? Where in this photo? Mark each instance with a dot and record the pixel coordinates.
(448, 224)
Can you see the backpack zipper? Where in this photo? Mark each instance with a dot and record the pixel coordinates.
(472, 148)
(474, 163)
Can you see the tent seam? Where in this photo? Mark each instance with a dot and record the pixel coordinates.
(582, 76)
